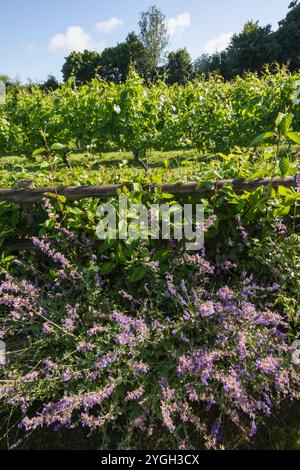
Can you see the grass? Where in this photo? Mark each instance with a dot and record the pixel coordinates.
(112, 167)
(120, 167)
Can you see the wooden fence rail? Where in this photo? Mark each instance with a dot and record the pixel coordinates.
(31, 195)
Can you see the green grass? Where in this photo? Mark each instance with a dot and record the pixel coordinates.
(120, 167)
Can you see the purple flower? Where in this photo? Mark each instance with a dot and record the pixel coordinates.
(242, 345)
(93, 399)
(232, 385)
(140, 368)
(208, 223)
(183, 286)
(106, 360)
(280, 227)
(225, 294)
(168, 393)
(47, 328)
(45, 248)
(192, 394)
(170, 284)
(66, 376)
(268, 365)
(215, 430)
(253, 429)
(135, 395)
(206, 309)
(153, 265)
(95, 330)
(243, 233)
(126, 296)
(84, 347)
(31, 377)
(68, 324)
(186, 315)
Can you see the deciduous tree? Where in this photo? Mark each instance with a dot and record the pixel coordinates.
(179, 67)
(83, 66)
(154, 35)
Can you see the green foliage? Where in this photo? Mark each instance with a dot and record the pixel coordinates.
(83, 66)
(288, 37)
(207, 114)
(257, 46)
(179, 67)
(50, 84)
(250, 50)
(115, 62)
(154, 35)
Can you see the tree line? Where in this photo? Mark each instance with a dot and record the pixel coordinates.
(249, 50)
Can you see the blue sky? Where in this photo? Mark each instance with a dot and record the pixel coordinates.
(36, 35)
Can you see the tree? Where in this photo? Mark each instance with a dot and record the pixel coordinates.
(207, 64)
(4, 78)
(288, 37)
(50, 84)
(115, 61)
(154, 35)
(138, 55)
(82, 65)
(179, 67)
(250, 50)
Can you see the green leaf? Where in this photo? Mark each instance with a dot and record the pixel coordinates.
(138, 274)
(279, 119)
(161, 255)
(284, 165)
(61, 198)
(38, 151)
(283, 191)
(284, 121)
(59, 146)
(75, 210)
(294, 136)
(262, 137)
(107, 268)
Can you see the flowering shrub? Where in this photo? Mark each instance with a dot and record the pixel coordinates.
(184, 357)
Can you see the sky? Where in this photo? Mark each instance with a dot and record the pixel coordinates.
(36, 35)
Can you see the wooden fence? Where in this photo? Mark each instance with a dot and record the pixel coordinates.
(31, 195)
(27, 196)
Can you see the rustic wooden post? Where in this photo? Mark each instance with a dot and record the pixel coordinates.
(28, 207)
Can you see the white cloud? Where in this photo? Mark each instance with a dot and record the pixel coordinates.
(218, 44)
(74, 39)
(30, 46)
(179, 23)
(106, 27)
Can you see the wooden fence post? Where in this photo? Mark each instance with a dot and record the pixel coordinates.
(28, 207)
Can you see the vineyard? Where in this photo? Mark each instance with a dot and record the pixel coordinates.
(126, 344)
(209, 115)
